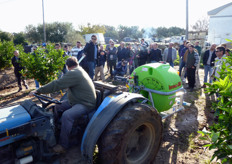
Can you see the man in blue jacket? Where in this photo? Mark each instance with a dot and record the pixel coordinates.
(121, 68)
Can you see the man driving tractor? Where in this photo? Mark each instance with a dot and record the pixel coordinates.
(81, 99)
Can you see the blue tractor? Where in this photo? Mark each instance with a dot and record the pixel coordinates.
(124, 128)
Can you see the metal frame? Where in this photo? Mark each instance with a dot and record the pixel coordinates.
(175, 108)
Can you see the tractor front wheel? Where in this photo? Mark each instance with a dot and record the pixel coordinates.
(132, 137)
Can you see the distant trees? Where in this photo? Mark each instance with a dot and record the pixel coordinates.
(55, 32)
(73, 36)
(19, 38)
(58, 32)
(111, 31)
(133, 32)
(201, 25)
(5, 36)
(168, 32)
(92, 29)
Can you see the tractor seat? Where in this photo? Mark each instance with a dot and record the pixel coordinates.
(99, 98)
(80, 124)
(98, 103)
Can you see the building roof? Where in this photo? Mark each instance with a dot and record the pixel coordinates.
(217, 10)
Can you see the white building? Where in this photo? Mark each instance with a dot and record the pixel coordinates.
(220, 24)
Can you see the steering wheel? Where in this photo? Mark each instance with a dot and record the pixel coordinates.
(46, 100)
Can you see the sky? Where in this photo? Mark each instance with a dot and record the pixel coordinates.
(15, 15)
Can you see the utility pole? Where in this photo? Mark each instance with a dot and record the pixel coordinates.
(186, 33)
(44, 22)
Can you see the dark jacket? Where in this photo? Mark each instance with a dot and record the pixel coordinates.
(112, 54)
(198, 48)
(122, 53)
(83, 63)
(16, 64)
(100, 58)
(192, 59)
(68, 53)
(121, 68)
(183, 52)
(155, 55)
(143, 55)
(89, 51)
(206, 56)
(181, 48)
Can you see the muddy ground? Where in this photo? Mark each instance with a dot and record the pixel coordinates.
(181, 143)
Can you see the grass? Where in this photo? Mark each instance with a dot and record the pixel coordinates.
(192, 144)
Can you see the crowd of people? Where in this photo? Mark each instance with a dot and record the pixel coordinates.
(86, 62)
(122, 60)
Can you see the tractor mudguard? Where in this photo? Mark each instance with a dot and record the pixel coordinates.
(101, 120)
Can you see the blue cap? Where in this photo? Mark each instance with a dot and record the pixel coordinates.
(44, 44)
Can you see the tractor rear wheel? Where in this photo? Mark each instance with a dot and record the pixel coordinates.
(133, 136)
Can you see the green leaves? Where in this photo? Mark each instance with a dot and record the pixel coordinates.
(221, 132)
(7, 49)
(44, 65)
(228, 40)
(214, 136)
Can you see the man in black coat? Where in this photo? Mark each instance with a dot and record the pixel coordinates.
(91, 50)
(122, 52)
(17, 68)
(143, 55)
(155, 54)
(208, 62)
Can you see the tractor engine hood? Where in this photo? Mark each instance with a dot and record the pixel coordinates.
(12, 117)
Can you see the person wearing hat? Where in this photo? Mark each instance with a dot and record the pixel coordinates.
(121, 68)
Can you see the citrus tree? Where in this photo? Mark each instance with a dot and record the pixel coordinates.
(44, 65)
(220, 134)
(6, 53)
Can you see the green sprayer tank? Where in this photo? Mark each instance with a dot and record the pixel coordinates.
(159, 77)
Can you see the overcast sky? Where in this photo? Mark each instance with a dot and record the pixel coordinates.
(15, 15)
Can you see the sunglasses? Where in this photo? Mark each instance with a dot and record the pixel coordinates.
(217, 51)
(94, 39)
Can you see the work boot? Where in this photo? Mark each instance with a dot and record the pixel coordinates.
(59, 149)
(26, 86)
(20, 88)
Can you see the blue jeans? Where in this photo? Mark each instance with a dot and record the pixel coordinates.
(91, 66)
(171, 64)
(153, 61)
(208, 72)
(36, 84)
(182, 65)
(69, 115)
